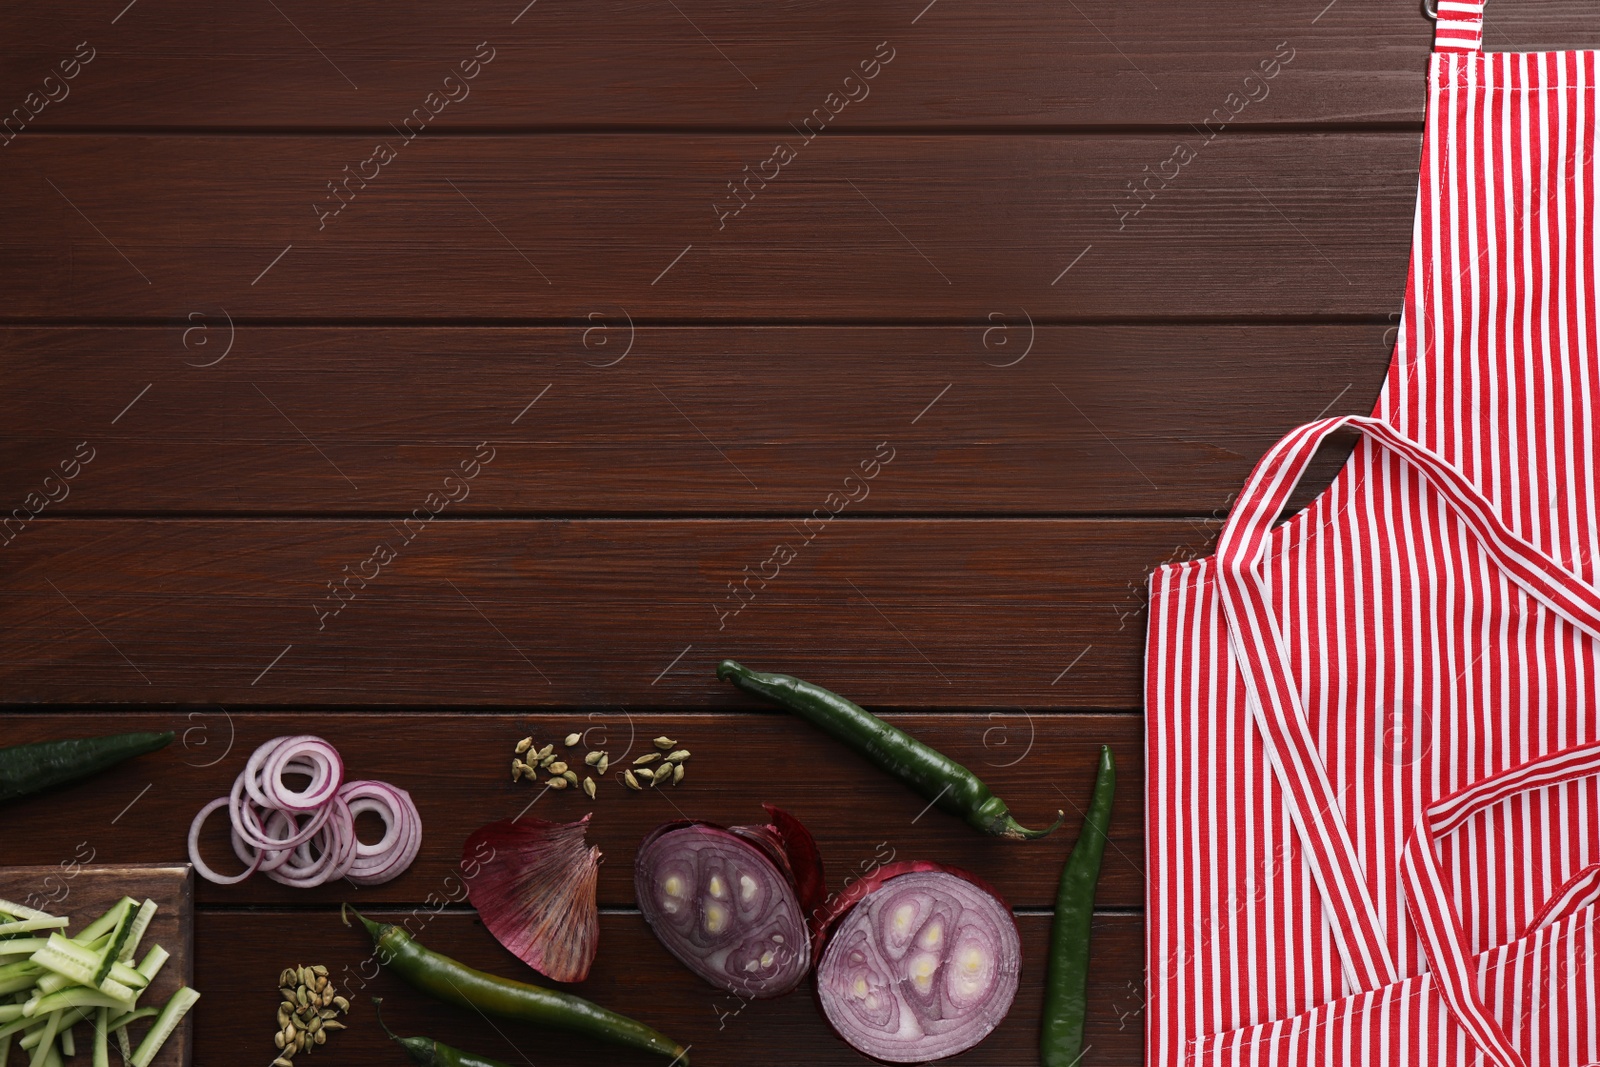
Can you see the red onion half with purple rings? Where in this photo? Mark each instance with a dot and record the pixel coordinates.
(920, 962)
(732, 904)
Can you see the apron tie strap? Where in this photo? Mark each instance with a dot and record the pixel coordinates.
(1434, 914)
(1459, 26)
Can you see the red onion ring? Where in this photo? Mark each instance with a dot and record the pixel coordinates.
(299, 753)
(306, 838)
(194, 849)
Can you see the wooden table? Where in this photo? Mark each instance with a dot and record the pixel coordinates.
(425, 376)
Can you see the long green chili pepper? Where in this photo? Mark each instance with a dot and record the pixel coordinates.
(27, 769)
(455, 983)
(947, 784)
(1066, 984)
(430, 1053)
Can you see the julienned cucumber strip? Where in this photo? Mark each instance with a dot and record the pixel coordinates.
(101, 1057)
(47, 1042)
(82, 967)
(23, 913)
(141, 923)
(172, 1014)
(151, 965)
(22, 926)
(106, 923)
(113, 950)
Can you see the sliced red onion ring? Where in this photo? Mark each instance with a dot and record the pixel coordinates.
(402, 836)
(194, 849)
(303, 754)
(727, 903)
(920, 963)
(307, 837)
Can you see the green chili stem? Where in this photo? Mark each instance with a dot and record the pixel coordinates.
(941, 780)
(1066, 984)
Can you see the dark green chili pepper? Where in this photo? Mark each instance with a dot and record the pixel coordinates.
(27, 769)
(455, 983)
(1066, 984)
(943, 781)
(430, 1053)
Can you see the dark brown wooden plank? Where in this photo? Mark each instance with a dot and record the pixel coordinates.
(241, 955)
(900, 227)
(170, 63)
(456, 768)
(912, 613)
(74, 886)
(1041, 420)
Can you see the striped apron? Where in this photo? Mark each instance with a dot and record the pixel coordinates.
(1373, 743)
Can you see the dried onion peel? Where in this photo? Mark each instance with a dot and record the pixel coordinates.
(920, 962)
(536, 892)
(733, 904)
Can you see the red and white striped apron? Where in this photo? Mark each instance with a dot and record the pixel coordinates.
(1373, 749)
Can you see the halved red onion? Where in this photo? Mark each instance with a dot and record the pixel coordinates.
(732, 904)
(307, 837)
(920, 962)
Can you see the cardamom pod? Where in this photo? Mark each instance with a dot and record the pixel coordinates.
(516, 770)
(523, 745)
(558, 767)
(679, 755)
(557, 783)
(666, 743)
(644, 772)
(600, 768)
(677, 774)
(588, 787)
(648, 757)
(592, 758)
(633, 783)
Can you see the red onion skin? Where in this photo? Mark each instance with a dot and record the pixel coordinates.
(842, 905)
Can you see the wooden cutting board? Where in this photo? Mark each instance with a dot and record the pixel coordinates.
(82, 891)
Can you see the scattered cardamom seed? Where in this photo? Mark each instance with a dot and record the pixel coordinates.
(661, 775)
(332, 1025)
(677, 774)
(319, 970)
(678, 755)
(300, 996)
(277, 1039)
(558, 767)
(573, 739)
(316, 1024)
(633, 783)
(287, 991)
(600, 768)
(557, 783)
(592, 758)
(588, 787)
(516, 770)
(570, 776)
(666, 743)
(523, 745)
(321, 1038)
(648, 757)
(281, 1062)
(287, 977)
(545, 751)
(546, 760)
(645, 772)
(341, 1003)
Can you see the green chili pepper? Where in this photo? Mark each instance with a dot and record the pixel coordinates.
(455, 983)
(430, 1053)
(27, 769)
(1066, 984)
(947, 784)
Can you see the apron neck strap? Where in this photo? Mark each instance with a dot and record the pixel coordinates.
(1315, 808)
(1459, 26)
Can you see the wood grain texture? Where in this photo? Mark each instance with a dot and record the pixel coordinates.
(456, 768)
(1024, 419)
(70, 884)
(631, 63)
(553, 228)
(910, 613)
(242, 954)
